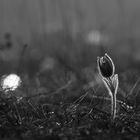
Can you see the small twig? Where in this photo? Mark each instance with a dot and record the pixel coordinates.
(51, 92)
(80, 98)
(133, 88)
(18, 114)
(109, 99)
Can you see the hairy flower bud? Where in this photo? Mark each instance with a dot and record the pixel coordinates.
(106, 69)
(106, 66)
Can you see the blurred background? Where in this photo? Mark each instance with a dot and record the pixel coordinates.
(56, 38)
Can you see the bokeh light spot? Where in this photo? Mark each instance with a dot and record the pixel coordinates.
(10, 82)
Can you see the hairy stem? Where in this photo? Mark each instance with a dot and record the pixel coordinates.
(113, 106)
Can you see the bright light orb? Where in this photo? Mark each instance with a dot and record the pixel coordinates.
(94, 37)
(10, 82)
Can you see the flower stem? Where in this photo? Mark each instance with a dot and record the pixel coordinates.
(113, 107)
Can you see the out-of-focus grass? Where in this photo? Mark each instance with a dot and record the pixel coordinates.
(62, 97)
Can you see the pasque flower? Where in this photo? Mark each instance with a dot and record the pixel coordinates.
(107, 69)
(106, 66)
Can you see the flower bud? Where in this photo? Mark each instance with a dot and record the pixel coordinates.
(106, 66)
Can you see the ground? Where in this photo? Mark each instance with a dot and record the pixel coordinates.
(68, 113)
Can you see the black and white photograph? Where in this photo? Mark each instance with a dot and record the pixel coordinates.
(69, 69)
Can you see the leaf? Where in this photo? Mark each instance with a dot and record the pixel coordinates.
(115, 82)
(108, 86)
